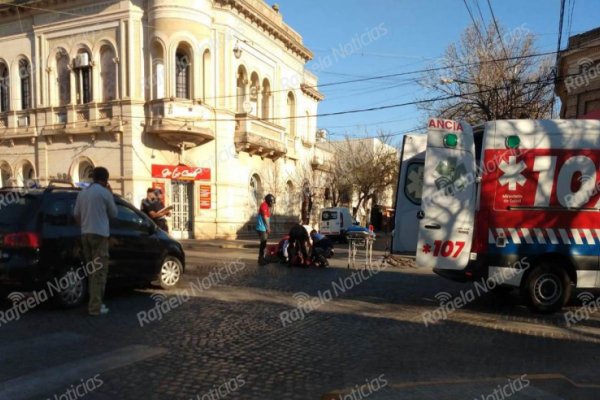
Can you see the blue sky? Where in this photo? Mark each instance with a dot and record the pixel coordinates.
(401, 36)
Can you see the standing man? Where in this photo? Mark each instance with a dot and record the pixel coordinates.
(263, 226)
(153, 207)
(94, 207)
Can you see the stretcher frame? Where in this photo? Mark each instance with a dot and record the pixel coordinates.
(360, 242)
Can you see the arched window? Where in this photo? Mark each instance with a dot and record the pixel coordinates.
(26, 175)
(241, 82)
(108, 73)
(289, 197)
(254, 93)
(63, 78)
(83, 74)
(255, 192)
(84, 171)
(206, 77)
(5, 174)
(291, 114)
(158, 71)
(4, 88)
(25, 82)
(266, 100)
(183, 68)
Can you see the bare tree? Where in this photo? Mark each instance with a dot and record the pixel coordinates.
(368, 168)
(272, 179)
(490, 75)
(303, 181)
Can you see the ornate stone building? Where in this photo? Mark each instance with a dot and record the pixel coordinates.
(208, 99)
(579, 76)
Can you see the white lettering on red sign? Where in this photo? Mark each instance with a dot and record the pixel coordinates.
(181, 173)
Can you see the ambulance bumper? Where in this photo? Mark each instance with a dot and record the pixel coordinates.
(457, 275)
(472, 272)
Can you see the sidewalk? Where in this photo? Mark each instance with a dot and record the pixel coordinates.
(196, 244)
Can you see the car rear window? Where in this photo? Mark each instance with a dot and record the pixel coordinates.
(16, 208)
(327, 215)
(59, 211)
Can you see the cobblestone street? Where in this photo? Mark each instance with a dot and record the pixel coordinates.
(224, 336)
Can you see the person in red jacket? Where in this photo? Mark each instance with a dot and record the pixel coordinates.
(263, 226)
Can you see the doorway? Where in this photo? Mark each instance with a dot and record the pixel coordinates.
(182, 218)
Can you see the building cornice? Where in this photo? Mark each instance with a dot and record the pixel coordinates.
(258, 12)
(312, 92)
(20, 7)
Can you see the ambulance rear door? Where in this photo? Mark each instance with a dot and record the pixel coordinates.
(408, 194)
(449, 196)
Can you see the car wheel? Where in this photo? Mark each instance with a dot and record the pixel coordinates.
(73, 295)
(170, 272)
(547, 288)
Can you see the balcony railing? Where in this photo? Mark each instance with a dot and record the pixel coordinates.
(77, 119)
(180, 122)
(15, 124)
(259, 137)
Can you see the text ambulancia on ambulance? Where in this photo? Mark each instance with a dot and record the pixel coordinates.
(516, 202)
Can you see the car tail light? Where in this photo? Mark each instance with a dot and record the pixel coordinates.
(22, 240)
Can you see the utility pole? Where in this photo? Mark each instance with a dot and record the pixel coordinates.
(560, 29)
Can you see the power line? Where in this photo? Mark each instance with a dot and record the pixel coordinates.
(479, 11)
(475, 24)
(353, 111)
(350, 81)
(570, 20)
(497, 28)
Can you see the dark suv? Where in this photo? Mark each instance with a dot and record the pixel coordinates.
(40, 247)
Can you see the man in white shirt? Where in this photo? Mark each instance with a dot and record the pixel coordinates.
(94, 207)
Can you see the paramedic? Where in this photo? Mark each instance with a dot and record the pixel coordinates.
(321, 244)
(299, 241)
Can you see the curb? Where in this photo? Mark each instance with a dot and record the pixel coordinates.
(202, 246)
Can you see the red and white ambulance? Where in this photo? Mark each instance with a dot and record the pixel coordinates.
(513, 193)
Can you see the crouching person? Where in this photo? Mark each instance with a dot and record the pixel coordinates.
(299, 244)
(322, 245)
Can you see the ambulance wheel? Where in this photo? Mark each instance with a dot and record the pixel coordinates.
(547, 288)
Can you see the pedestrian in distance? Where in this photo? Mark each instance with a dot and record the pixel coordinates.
(263, 226)
(154, 207)
(94, 207)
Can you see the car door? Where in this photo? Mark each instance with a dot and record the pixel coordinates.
(329, 222)
(134, 244)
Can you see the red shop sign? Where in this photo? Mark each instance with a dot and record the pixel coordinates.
(205, 197)
(180, 172)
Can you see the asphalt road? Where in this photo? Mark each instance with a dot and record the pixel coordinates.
(234, 330)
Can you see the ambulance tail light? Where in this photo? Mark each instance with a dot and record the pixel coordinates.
(450, 140)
